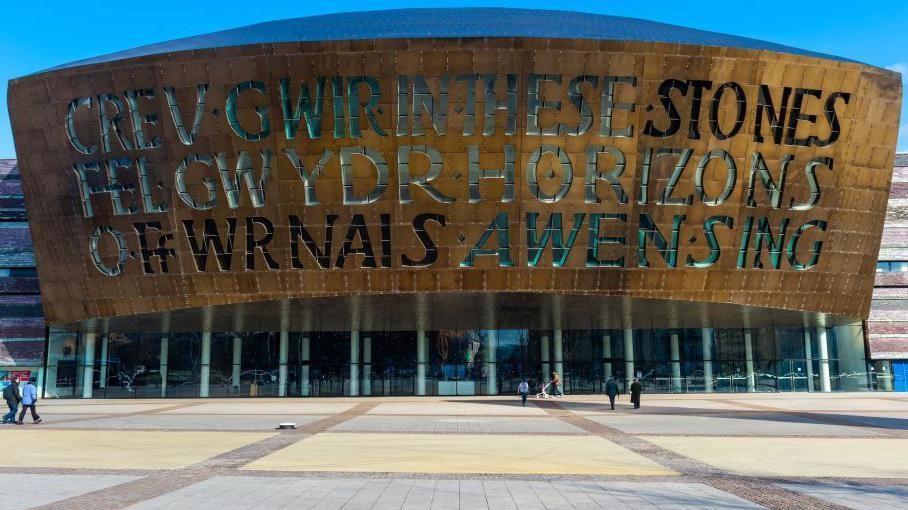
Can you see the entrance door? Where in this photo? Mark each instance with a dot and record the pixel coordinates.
(458, 379)
(793, 375)
(900, 375)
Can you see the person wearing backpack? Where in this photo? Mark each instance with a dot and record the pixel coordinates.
(29, 400)
(12, 397)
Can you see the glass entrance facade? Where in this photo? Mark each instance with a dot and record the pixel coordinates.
(454, 362)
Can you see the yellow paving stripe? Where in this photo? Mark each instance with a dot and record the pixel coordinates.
(459, 453)
(802, 456)
(104, 449)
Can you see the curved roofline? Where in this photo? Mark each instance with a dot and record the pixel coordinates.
(488, 22)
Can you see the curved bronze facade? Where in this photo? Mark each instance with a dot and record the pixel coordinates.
(751, 183)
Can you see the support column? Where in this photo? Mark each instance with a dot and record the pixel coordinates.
(88, 364)
(706, 335)
(749, 360)
(422, 359)
(283, 356)
(367, 366)
(162, 367)
(304, 371)
(544, 354)
(676, 363)
(628, 358)
(102, 381)
(808, 353)
(825, 382)
(354, 363)
(205, 369)
(237, 361)
(491, 356)
(607, 354)
(558, 354)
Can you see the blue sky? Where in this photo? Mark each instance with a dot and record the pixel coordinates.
(38, 35)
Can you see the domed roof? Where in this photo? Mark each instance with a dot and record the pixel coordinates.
(450, 23)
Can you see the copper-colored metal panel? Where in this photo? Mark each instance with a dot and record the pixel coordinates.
(850, 110)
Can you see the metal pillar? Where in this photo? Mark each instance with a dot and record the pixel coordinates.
(825, 381)
(808, 353)
(367, 366)
(628, 358)
(422, 359)
(88, 364)
(354, 363)
(558, 355)
(544, 351)
(237, 363)
(606, 354)
(205, 369)
(283, 356)
(304, 371)
(706, 335)
(491, 356)
(676, 363)
(749, 360)
(102, 380)
(162, 367)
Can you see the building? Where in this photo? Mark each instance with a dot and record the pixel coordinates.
(449, 201)
(887, 326)
(22, 333)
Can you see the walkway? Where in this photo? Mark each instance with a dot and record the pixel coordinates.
(780, 451)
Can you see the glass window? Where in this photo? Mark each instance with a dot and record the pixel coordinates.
(18, 272)
(183, 365)
(330, 363)
(389, 363)
(259, 358)
(891, 266)
(63, 366)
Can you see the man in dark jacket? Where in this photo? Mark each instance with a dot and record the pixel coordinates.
(611, 389)
(13, 397)
(635, 393)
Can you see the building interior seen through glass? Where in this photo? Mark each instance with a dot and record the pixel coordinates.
(467, 362)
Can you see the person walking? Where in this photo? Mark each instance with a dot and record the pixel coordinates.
(611, 389)
(13, 397)
(523, 389)
(29, 400)
(635, 393)
(556, 385)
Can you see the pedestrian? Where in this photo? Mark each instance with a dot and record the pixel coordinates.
(30, 400)
(556, 385)
(523, 389)
(635, 393)
(12, 397)
(611, 389)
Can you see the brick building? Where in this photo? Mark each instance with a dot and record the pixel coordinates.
(887, 326)
(22, 333)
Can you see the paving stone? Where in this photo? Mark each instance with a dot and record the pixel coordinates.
(456, 453)
(229, 492)
(458, 425)
(189, 422)
(495, 407)
(43, 447)
(857, 496)
(29, 490)
(289, 407)
(746, 424)
(462, 453)
(807, 456)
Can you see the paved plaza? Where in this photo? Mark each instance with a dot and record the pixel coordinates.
(785, 451)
